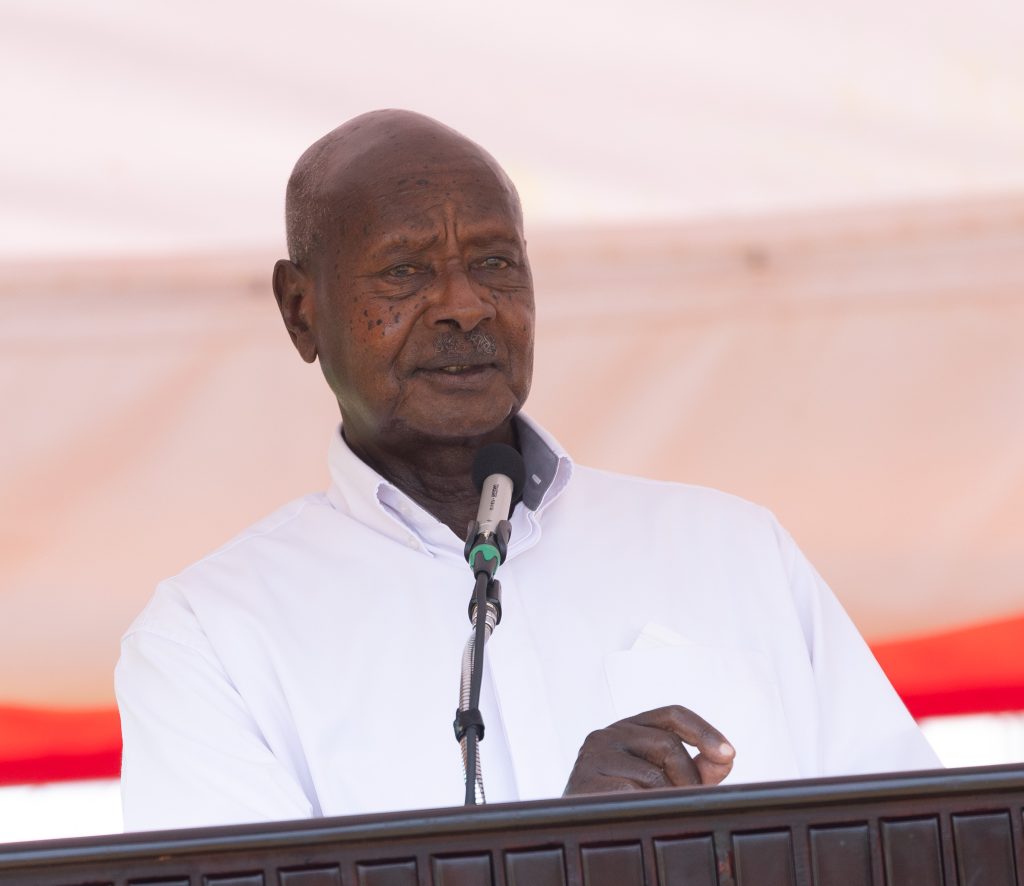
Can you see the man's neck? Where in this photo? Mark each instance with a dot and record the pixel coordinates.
(436, 474)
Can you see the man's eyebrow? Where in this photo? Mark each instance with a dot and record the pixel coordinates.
(401, 244)
(496, 237)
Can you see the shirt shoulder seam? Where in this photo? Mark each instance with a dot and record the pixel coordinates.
(251, 534)
(162, 635)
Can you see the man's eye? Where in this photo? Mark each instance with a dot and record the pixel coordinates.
(402, 271)
(494, 263)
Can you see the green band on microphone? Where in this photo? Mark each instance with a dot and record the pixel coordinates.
(488, 552)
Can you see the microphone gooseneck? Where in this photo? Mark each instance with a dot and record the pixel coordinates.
(499, 474)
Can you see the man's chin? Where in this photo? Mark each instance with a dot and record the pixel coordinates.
(458, 426)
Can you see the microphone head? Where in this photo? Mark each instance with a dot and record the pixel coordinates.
(500, 458)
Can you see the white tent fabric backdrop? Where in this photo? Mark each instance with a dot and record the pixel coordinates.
(858, 371)
(135, 127)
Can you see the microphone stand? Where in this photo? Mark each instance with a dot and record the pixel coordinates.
(484, 553)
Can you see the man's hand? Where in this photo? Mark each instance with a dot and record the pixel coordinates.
(646, 751)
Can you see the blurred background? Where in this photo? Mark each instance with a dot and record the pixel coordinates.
(778, 249)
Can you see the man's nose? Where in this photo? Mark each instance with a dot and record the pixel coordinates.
(459, 300)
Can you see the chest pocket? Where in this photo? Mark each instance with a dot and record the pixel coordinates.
(733, 689)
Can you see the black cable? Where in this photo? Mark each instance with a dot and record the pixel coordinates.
(475, 682)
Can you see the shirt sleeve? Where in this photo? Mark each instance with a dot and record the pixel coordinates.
(863, 725)
(193, 753)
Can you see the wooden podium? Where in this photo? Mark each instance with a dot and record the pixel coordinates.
(939, 828)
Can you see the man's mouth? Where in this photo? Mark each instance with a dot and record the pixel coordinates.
(456, 366)
(461, 373)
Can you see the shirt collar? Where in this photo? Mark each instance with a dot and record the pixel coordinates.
(358, 490)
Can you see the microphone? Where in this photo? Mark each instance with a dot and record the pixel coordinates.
(499, 474)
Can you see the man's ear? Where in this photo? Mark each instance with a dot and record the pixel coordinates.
(293, 290)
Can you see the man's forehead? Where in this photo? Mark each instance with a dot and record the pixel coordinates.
(406, 202)
(380, 176)
(429, 193)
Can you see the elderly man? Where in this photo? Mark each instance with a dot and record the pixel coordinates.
(310, 666)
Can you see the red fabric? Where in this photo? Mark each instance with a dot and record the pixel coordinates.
(38, 745)
(967, 671)
(972, 670)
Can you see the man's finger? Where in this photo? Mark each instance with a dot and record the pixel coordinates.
(661, 747)
(630, 755)
(681, 770)
(710, 771)
(693, 729)
(614, 770)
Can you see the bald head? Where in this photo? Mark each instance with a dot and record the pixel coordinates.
(346, 165)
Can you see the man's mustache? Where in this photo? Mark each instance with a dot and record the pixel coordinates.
(461, 344)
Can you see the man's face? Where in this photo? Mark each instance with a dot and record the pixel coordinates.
(424, 305)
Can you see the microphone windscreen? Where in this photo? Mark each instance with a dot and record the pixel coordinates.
(500, 458)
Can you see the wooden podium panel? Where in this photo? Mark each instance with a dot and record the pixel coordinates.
(943, 828)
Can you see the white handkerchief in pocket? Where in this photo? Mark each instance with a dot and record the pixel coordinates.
(732, 688)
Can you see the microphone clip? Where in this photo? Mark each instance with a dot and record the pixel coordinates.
(486, 551)
(466, 720)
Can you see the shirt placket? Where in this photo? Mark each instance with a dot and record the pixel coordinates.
(521, 693)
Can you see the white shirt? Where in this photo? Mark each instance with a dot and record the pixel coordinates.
(311, 666)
